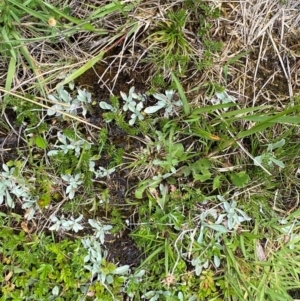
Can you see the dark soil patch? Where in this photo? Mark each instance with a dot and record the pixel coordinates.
(122, 250)
(117, 72)
(294, 293)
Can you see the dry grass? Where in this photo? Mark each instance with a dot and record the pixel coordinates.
(266, 32)
(269, 31)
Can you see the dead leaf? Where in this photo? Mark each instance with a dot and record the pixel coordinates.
(8, 276)
(261, 255)
(90, 294)
(214, 137)
(24, 227)
(27, 213)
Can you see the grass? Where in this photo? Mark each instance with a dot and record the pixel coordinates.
(184, 187)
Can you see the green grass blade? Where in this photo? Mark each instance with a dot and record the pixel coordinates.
(209, 109)
(154, 253)
(28, 10)
(62, 14)
(8, 43)
(166, 257)
(267, 122)
(233, 60)
(243, 111)
(105, 10)
(84, 68)
(24, 51)
(186, 107)
(284, 119)
(10, 76)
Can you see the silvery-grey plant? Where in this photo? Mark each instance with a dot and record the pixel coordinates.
(156, 295)
(67, 144)
(233, 216)
(63, 102)
(165, 101)
(63, 224)
(73, 184)
(14, 186)
(100, 230)
(268, 157)
(133, 103)
(94, 262)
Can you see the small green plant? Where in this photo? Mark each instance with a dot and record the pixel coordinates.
(170, 47)
(40, 269)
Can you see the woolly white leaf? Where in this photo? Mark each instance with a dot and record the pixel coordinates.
(105, 106)
(153, 109)
(77, 227)
(9, 200)
(123, 95)
(52, 153)
(121, 270)
(217, 261)
(55, 291)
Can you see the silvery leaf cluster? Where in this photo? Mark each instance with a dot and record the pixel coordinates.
(166, 102)
(12, 186)
(67, 144)
(134, 104)
(100, 230)
(63, 102)
(73, 184)
(63, 224)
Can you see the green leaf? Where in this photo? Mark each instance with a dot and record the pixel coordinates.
(276, 145)
(208, 109)
(144, 185)
(41, 142)
(201, 165)
(104, 10)
(61, 13)
(217, 182)
(177, 150)
(237, 113)
(18, 270)
(44, 270)
(203, 134)
(239, 179)
(202, 178)
(35, 13)
(88, 27)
